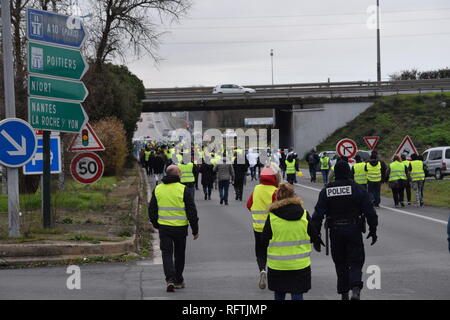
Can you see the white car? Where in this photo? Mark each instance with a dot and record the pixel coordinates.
(232, 88)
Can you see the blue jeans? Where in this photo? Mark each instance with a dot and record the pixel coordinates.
(325, 176)
(374, 189)
(223, 189)
(282, 296)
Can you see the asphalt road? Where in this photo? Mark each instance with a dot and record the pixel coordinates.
(412, 254)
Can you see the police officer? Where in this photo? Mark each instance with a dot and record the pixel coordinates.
(346, 205)
(171, 210)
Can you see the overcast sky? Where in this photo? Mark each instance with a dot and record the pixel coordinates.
(229, 41)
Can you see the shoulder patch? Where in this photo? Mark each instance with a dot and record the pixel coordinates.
(339, 191)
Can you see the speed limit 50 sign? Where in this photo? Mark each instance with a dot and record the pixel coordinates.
(87, 168)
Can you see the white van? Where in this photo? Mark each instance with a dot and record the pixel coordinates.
(437, 161)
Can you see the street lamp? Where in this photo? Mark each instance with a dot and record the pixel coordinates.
(271, 58)
(378, 43)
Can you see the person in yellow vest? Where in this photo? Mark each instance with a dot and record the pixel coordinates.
(188, 174)
(408, 183)
(171, 210)
(287, 237)
(398, 175)
(147, 154)
(417, 169)
(291, 168)
(325, 165)
(258, 203)
(376, 171)
(358, 172)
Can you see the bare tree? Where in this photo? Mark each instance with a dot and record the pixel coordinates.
(120, 25)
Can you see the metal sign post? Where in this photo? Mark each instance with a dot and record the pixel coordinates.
(10, 112)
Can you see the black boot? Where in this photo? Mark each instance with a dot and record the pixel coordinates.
(206, 196)
(344, 296)
(356, 292)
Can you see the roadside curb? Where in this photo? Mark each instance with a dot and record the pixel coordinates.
(11, 254)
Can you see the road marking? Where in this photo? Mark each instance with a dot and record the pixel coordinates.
(388, 208)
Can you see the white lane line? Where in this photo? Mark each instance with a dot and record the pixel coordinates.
(388, 208)
(415, 215)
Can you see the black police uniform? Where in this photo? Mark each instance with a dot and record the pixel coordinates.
(346, 205)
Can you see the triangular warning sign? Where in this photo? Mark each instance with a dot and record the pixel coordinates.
(407, 148)
(371, 142)
(86, 141)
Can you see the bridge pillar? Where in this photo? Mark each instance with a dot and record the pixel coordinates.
(283, 122)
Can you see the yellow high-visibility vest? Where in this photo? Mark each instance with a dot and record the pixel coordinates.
(171, 208)
(373, 173)
(360, 173)
(187, 174)
(397, 171)
(417, 173)
(262, 198)
(324, 163)
(290, 167)
(147, 155)
(290, 246)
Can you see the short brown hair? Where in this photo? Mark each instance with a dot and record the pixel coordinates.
(284, 191)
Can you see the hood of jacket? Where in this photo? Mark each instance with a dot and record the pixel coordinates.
(269, 180)
(170, 179)
(373, 162)
(288, 209)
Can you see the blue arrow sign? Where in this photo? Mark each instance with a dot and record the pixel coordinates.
(17, 142)
(36, 165)
(55, 28)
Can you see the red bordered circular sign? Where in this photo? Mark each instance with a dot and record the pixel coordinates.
(86, 168)
(346, 148)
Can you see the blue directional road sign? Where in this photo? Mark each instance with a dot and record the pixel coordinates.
(36, 165)
(17, 142)
(55, 28)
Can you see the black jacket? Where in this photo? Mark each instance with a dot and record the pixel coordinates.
(208, 175)
(191, 211)
(292, 281)
(360, 198)
(240, 170)
(159, 162)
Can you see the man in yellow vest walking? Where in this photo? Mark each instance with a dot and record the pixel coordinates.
(398, 175)
(325, 167)
(417, 169)
(358, 172)
(258, 204)
(171, 210)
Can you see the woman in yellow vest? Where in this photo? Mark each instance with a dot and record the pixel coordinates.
(398, 175)
(287, 236)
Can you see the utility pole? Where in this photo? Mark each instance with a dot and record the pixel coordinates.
(378, 43)
(10, 112)
(273, 111)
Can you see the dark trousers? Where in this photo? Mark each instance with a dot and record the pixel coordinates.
(239, 188)
(325, 175)
(260, 251)
(196, 180)
(398, 194)
(347, 251)
(290, 178)
(312, 173)
(173, 255)
(253, 172)
(207, 189)
(408, 190)
(374, 189)
(224, 185)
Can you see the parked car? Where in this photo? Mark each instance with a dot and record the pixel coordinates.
(232, 88)
(437, 161)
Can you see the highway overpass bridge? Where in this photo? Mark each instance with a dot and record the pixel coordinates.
(304, 113)
(284, 95)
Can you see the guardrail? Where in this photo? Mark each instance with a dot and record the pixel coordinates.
(347, 89)
(298, 86)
